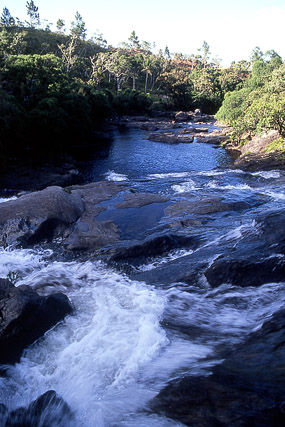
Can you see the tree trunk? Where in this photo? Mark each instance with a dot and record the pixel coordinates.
(146, 78)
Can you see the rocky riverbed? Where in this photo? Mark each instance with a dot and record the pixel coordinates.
(169, 293)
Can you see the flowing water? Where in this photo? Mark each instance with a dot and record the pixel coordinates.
(127, 339)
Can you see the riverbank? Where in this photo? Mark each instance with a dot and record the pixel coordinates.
(262, 152)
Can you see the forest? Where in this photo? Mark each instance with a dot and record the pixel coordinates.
(58, 87)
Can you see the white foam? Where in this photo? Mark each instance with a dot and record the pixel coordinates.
(98, 351)
(274, 195)
(169, 175)
(20, 262)
(215, 185)
(185, 187)
(117, 177)
(7, 199)
(267, 174)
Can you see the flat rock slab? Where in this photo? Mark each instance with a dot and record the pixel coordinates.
(203, 207)
(137, 200)
(170, 137)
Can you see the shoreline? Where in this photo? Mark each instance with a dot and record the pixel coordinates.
(250, 157)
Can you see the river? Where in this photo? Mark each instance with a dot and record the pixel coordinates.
(128, 338)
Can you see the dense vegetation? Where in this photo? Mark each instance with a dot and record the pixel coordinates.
(57, 87)
(259, 103)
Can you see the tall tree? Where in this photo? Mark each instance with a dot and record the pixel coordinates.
(205, 53)
(78, 27)
(6, 19)
(60, 24)
(134, 40)
(33, 14)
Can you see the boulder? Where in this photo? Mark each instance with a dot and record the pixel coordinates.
(37, 216)
(47, 410)
(182, 116)
(244, 272)
(246, 389)
(25, 316)
(159, 245)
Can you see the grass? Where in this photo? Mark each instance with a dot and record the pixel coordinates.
(276, 145)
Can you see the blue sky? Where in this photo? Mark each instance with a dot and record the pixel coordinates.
(231, 28)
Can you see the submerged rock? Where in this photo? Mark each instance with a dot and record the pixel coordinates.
(247, 389)
(25, 316)
(47, 410)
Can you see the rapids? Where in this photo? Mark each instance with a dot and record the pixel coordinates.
(126, 338)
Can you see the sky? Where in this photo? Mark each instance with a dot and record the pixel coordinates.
(232, 29)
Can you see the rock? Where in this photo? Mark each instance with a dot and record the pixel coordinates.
(258, 143)
(38, 216)
(25, 316)
(89, 235)
(247, 389)
(198, 112)
(170, 137)
(182, 116)
(159, 245)
(243, 272)
(203, 207)
(137, 200)
(48, 410)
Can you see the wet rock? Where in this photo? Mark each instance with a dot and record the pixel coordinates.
(244, 272)
(38, 216)
(247, 389)
(170, 137)
(159, 245)
(204, 207)
(96, 192)
(48, 410)
(137, 200)
(89, 235)
(25, 316)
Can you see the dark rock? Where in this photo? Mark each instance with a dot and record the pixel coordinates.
(159, 245)
(243, 272)
(247, 389)
(25, 316)
(48, 410)
(182, 116)
(170, 137)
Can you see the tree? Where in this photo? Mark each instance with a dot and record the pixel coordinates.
(33, 14)
(134, 40)
(205, 53)
(167, 52)
(78, 27)
(6, 19)
(68, 53)
(256, 54)
(60, 24)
